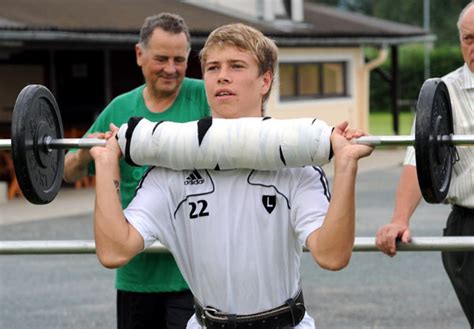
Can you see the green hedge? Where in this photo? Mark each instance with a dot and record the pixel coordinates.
(411, 64)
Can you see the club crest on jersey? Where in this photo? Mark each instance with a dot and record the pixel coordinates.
(269, 202)
(194, 178)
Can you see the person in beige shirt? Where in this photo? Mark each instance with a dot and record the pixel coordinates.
(458, 265)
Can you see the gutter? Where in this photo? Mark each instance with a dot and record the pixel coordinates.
(379, 60)
(347, 41)
(62, 36)
(131, 38)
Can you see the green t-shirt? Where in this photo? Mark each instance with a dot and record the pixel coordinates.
(149, 272)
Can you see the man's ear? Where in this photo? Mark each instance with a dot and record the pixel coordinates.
(139, 54)
(267, 79)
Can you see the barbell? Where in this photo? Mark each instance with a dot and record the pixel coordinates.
(37, 142)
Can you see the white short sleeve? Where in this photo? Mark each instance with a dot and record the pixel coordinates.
(311, 202)
(148, 211)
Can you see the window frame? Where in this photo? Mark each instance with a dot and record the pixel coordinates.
(320, 65)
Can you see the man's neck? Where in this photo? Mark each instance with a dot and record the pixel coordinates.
(158, 102)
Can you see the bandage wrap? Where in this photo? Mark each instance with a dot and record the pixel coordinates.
(254, 143)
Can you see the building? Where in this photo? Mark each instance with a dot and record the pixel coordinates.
(83, 51)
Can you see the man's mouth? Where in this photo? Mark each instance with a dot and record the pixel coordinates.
(224, 93)
(168, 77)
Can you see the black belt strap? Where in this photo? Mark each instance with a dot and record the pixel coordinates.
(287, 315)
(291, 303)
(463, 210)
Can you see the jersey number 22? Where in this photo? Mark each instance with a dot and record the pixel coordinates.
(198, 209)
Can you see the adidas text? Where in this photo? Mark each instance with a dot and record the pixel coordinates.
(194, 181)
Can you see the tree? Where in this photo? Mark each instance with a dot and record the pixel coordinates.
(443, 14)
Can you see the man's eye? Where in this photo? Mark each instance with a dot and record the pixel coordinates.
(211, 68)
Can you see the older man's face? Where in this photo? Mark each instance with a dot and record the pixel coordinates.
(466, 32)
(164, 61)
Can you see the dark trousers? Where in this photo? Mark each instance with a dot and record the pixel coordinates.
(169, 310)
(460, 265)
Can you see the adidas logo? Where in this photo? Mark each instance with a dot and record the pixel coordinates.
(194, 178)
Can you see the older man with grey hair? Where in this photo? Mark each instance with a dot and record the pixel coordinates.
(458, 265)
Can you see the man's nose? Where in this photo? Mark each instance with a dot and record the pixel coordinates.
(170, 66)
(224, 76)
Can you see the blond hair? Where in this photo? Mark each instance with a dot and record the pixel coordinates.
(248, 39)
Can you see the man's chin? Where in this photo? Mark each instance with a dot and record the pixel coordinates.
(167, 87)
(471, 66)
(225, 112)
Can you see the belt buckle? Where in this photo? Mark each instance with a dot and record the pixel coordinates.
(206, 312)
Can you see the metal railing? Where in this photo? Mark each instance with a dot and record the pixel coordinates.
(58, 247)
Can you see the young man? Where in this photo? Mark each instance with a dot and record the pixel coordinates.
(458, 265)
(151, 292)
(236, 234)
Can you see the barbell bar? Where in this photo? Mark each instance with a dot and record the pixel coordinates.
(388, 140)
(401, 140)
(38, 145)
(61, 143)
(409, 140)
(56, 247)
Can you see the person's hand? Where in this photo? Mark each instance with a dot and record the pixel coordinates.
(342, 142)
(83, 155)
(111, 151)
(387, 236)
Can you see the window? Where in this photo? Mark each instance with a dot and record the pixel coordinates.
(312, 80)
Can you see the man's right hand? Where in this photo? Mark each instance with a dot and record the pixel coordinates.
(111, 149)
(388, 235)
(84, 155)
(342, 142)
(407, 198)
(76, 163)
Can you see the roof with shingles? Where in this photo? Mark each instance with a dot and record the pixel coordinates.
(120, 21)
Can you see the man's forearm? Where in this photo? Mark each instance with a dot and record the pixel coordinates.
(408, 196)
(75, 167)
(110, 226)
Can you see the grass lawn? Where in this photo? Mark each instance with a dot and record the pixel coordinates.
(381, 123)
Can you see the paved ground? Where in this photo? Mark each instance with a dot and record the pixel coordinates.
(69, 202)
(73, 291)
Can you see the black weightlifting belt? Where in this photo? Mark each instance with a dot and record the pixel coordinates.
(287, 315)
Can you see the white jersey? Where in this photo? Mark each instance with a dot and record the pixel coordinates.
(236, 235)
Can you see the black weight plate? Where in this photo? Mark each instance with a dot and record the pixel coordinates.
(434, 160)
(39, 171)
